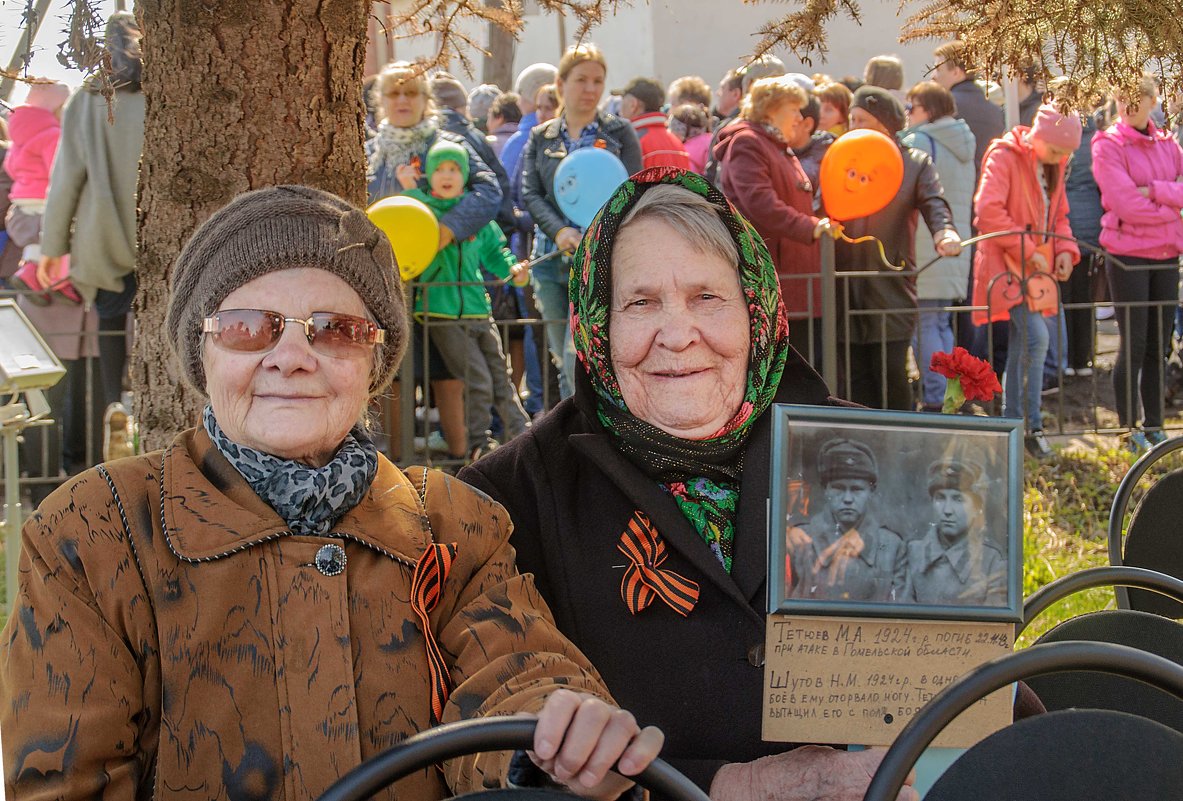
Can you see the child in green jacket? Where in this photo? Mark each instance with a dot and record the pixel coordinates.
(458, 318)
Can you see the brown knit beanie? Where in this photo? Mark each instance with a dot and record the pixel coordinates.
(281, 228)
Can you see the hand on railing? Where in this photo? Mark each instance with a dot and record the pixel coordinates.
(949, 243)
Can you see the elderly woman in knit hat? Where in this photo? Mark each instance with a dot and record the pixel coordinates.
(640, 503)
(1022, 188)
(268, 601)
(878, 334)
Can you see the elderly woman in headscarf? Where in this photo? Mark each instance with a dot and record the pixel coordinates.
(664, 449)
(252, 611)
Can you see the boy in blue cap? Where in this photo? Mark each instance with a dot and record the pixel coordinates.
(470, 348)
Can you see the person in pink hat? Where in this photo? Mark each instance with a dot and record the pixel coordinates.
(1139, 170)
(1022, 188)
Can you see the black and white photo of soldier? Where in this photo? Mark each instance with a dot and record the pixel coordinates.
(843, 552)
(955, 562)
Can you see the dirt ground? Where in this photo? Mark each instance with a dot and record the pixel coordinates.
(1082, 413)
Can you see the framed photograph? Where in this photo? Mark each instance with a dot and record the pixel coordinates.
(895, 514)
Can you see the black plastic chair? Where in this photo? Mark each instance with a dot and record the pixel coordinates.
(1142, 630)
(1154, 537)
(477, 736)
(1061, 756)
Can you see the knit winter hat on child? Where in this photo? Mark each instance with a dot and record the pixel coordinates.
(1056, 129)
(48, 95)
(444, 150)
(283, 228)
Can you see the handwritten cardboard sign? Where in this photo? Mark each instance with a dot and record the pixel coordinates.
(860, 680)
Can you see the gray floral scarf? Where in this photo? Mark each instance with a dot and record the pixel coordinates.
(310, 499)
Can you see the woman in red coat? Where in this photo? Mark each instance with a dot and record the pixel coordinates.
(761, 176)
(1022, 187)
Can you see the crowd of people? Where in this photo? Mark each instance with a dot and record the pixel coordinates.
(760, 137)
(269, 600)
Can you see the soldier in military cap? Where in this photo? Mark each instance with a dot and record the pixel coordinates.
(843, 553)
(953, 563)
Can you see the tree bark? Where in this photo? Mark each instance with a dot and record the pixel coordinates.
(498, 67)
(240, 94)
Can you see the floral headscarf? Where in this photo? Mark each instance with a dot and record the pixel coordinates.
(701, 475)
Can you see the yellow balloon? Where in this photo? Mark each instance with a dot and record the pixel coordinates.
(412, 229)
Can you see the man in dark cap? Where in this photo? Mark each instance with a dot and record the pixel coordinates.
(876, 341)
(640, 103)
(843, 553)
(953, 563)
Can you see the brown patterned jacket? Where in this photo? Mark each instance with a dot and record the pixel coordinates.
(180, 644)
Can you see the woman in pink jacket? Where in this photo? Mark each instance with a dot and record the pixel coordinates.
(1022, 187)
(1138, 169)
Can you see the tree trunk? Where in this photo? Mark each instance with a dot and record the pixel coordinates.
(240, 94)
(498, 68)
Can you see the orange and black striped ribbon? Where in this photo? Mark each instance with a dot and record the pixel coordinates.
(426, 588)
(644, 579)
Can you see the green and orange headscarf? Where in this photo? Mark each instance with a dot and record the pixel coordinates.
(701, 475)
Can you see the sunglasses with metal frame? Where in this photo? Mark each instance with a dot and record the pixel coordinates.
(258, 331)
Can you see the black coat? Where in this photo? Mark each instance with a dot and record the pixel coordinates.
(986, 120)
(454, 122)
(570, 494)
(894, 226)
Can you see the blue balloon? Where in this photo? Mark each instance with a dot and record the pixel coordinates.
(586, 178)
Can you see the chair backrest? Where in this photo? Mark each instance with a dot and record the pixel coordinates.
(1119, 576)
(1154, 540)
(1155, 529)
(1090, 690)
(1103, 753)
(1068, 756)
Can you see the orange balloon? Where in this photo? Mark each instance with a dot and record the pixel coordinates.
(860, 174)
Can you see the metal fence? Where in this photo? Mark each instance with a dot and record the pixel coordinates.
(404, 418)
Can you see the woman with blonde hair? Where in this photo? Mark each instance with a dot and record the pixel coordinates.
(761, 176)
(579, 124)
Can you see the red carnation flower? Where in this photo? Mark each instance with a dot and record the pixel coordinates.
(969, 377)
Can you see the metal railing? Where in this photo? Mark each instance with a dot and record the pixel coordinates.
(405, 421)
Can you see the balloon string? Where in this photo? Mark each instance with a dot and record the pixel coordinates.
(879, 244)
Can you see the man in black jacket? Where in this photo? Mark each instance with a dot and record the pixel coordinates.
(880, 316)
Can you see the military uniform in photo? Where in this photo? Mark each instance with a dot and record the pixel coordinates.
(819, 571)
(957, 565)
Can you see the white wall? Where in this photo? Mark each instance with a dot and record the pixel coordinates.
(666, 39)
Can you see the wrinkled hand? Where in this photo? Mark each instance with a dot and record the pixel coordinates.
(568, 239)
(446, 236)
(949, 244)
(407, 175)
(50, 271)
(1063, 266)
(839, 554)
(811, 772)
(579, 738)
